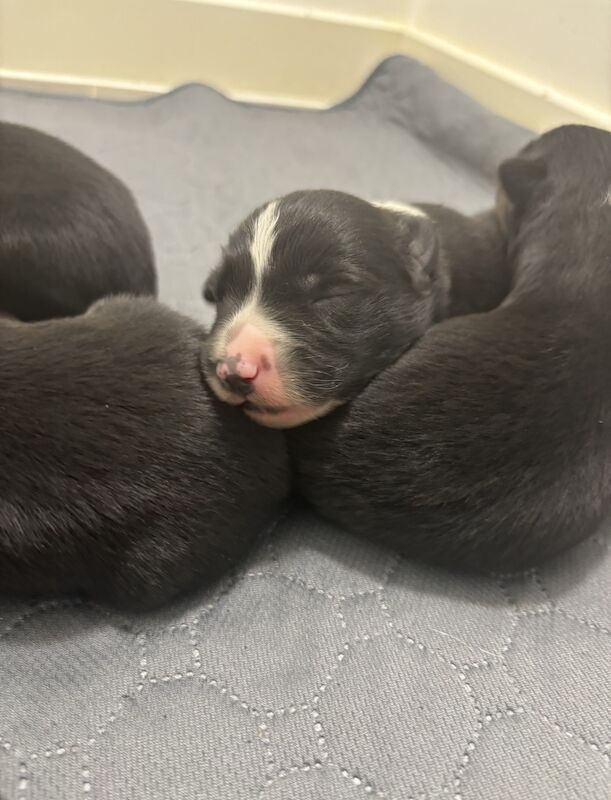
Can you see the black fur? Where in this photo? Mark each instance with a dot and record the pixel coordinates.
(121, 476)
(70, 232)
(473, 253)
(488, 444)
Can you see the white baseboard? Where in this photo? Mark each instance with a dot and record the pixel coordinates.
(81, 85)
(84, 86)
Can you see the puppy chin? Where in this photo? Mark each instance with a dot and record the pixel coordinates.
(290, 416)
(272, 412)
(222, 393)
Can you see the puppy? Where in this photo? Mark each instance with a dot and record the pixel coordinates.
(319, 291)
(487, 446)
(121, 476)
(70, 232)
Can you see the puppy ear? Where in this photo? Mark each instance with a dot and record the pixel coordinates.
(520, 176)
(210, 289)
(423, 250)
(418, 240)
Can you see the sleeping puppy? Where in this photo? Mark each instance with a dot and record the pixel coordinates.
(70, 232)
(488, 445)
(318, 291)
(121, 476)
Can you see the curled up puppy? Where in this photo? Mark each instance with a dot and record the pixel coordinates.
(122, 477)
(487, 445)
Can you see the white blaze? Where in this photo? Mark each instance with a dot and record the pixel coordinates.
(263, 238)
(400, 208)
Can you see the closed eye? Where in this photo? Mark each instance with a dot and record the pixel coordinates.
(328, 298)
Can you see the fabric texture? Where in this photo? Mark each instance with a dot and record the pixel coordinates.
(325, 668)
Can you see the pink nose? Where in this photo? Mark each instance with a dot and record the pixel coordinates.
(249, 366)
(251, 350)
(245, 370)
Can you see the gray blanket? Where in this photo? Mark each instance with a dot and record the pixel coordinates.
(325, 668)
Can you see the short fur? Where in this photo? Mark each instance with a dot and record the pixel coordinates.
(488, 445)
(121, 476)
(70, 232)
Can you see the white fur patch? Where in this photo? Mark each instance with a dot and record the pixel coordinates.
(263, 238)
(607, 199)
(399, 208)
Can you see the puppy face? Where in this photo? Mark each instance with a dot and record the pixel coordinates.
(316, 293)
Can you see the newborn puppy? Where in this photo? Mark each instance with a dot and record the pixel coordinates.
(121, 476)
(70, 232)
(488, 444)
(316, 293)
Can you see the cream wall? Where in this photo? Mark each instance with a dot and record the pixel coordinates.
(542, 62)
(249, 50)
(559, 46)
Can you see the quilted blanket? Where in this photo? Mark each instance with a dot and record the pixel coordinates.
(324, 668)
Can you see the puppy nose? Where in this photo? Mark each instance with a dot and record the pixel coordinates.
(237, 374)
(239, 385)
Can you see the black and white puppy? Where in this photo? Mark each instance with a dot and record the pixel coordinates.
(488, 444)
(318, 291)
(70, 231)
(121, 475)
